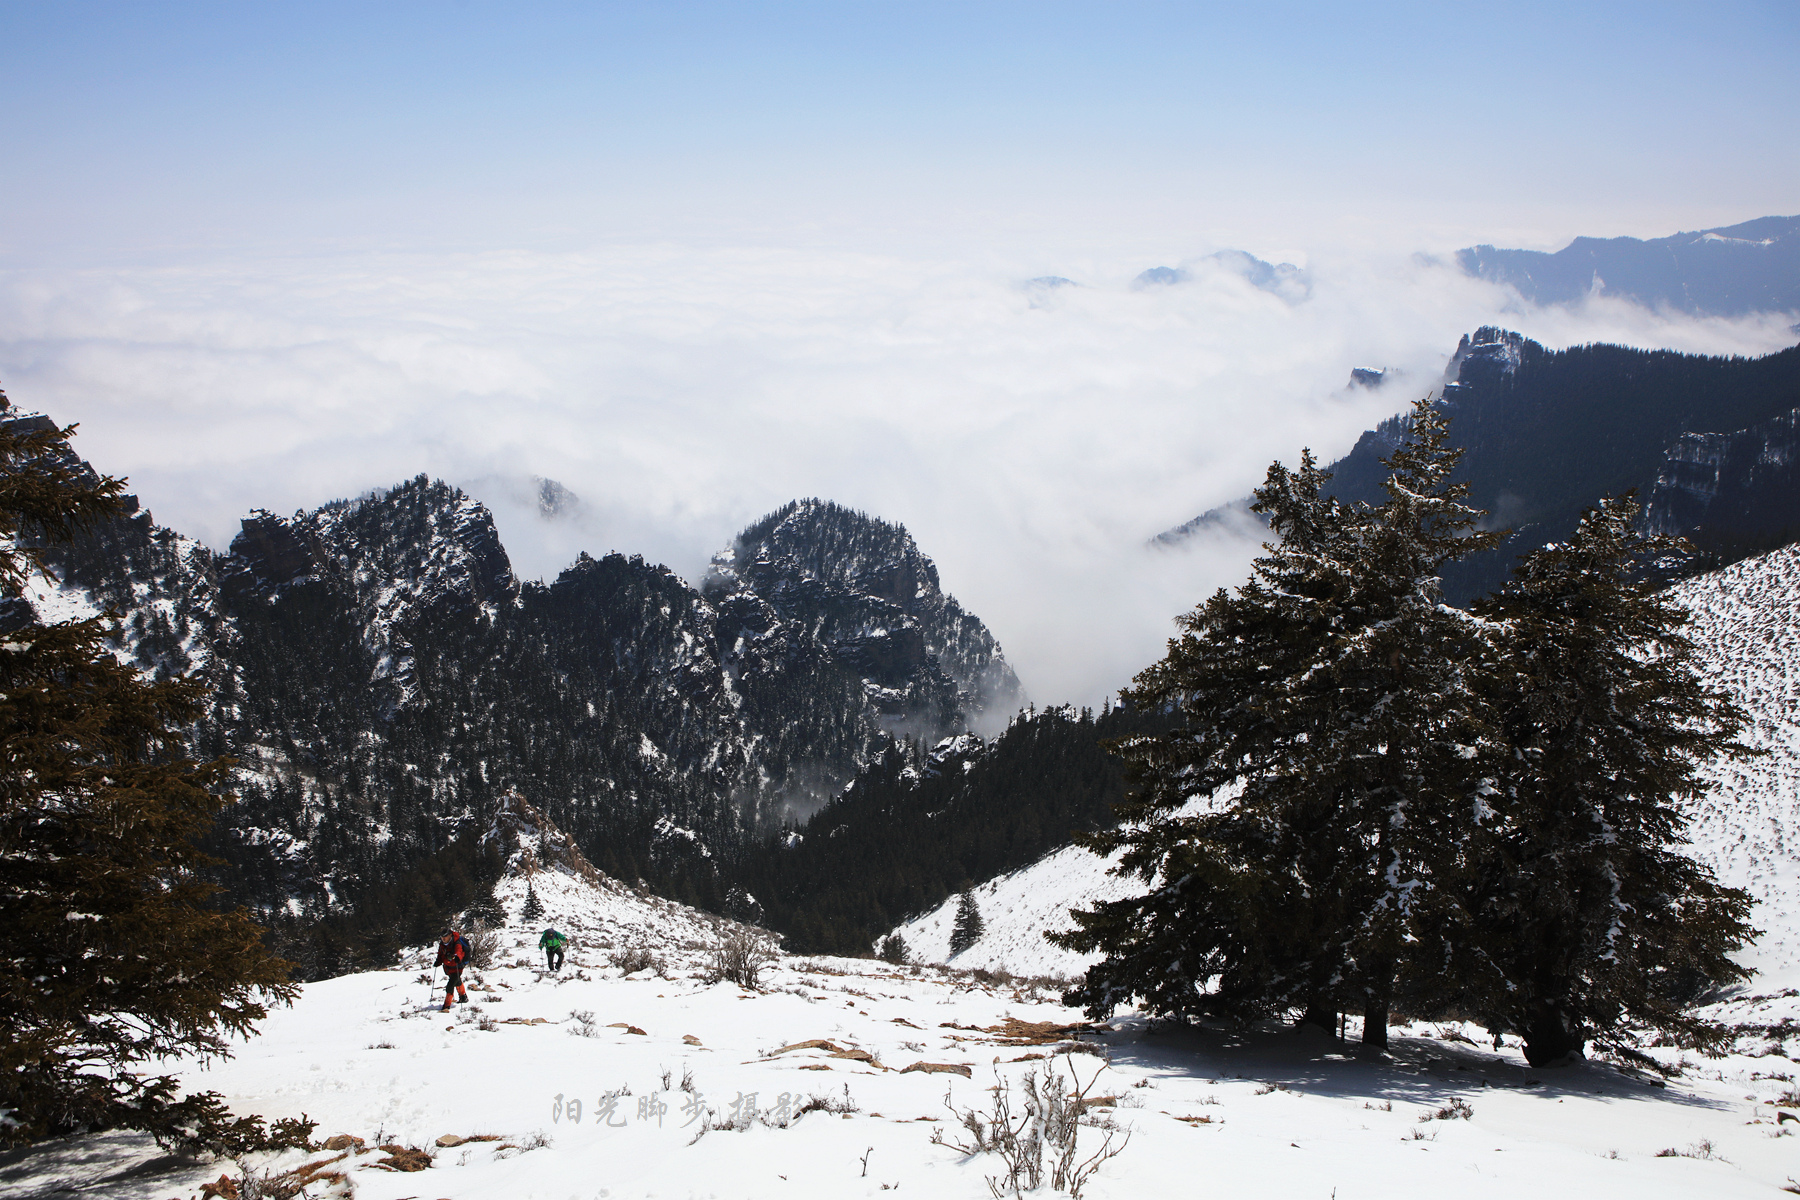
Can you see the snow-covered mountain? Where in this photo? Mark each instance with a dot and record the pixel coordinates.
(1292, 284)
(816, 587)
(383, 678)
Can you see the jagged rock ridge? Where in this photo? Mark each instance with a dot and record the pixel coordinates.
(815, 583)
(383, 679)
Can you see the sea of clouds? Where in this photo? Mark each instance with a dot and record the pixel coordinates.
(1031, 438)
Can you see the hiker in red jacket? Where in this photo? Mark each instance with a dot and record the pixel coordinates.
(453, 955)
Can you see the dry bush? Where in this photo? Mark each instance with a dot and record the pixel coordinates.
(637, 959)
(1044, 1135)
(740, 957)
(1458, 1108)
(484, 945)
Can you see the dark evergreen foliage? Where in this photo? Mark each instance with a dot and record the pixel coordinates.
(1591, 917)
(112, 952)
(969, 926)
(1328, 709)
(1377, 799)
(374, 924)
(533, 908)
(1548, 433)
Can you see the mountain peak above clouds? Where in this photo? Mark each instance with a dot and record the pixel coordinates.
(1729, 271)
(1285, 280)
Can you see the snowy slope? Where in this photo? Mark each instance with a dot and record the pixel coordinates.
(596, 911)
(591, 1083)
(1015, 909)
(1747, 629)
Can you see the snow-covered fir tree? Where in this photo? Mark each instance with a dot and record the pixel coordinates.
(1590, 916)
(969, 926)
(1330, 716)
(114, 955)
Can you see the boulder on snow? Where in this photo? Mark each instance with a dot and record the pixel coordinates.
(449, 1140)
(342, 1141)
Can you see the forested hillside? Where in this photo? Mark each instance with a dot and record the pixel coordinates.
(916, 826)
(1708, 444)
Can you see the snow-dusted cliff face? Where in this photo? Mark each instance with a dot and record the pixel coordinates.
(816, 583)
(1546, 434)
(383, 679)
(1732, 489)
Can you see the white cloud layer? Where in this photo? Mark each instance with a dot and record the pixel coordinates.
(1030, 439)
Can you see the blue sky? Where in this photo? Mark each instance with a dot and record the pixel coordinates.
(144, 128)
(695, 261)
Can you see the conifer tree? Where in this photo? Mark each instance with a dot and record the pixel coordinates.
(111, 953)
(533, 907)
(969, 926)
(1295, 829)
(1592, 916)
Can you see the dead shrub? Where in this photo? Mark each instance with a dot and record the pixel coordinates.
(1043, 1136)
(1457, 1109)
(484, 945)
(740, 958)
(636, 959)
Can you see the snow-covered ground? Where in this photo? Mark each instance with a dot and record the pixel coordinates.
(597, 1083)
(1747, 629)
(579, 1077)
(579, 1080)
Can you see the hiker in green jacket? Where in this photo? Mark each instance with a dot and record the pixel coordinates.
(552, 944)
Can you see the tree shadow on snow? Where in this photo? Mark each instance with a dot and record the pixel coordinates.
(1418, 1070)
(117, 1165)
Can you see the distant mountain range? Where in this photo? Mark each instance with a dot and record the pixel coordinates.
(1729, 271)
(1708, 443)
(1285, 280)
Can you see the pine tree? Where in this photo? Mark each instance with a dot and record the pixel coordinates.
(969, 925)
(1592, 915)
(111, 952)
(533, 907)
(1295, 830)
